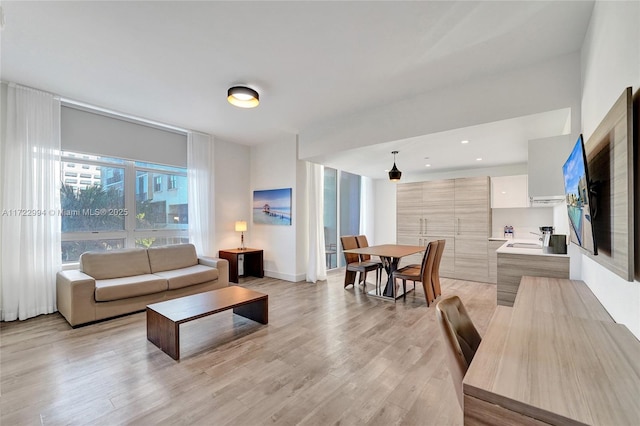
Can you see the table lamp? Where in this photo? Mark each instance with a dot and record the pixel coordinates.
(241, 226)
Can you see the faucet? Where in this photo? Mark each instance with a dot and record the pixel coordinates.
(539, 235)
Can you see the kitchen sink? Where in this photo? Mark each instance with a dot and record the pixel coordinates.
(525, 245)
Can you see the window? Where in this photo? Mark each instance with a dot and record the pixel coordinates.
(156, 210)
(116, 208)
(341, 211)
(172, 183)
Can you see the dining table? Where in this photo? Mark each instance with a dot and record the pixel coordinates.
(390, 255)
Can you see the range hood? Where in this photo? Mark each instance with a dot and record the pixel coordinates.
(546, 201)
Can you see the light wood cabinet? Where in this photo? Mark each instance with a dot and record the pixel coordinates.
(456, 210)
(409, 219)
(438, 204)
(492, 246)
(512, 267)
(472, 228)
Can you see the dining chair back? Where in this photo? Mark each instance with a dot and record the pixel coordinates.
(435, 272)
(355, 265)
(426, 271)
(349, 242)
(361, 240)
(460, 337)
(421, 273)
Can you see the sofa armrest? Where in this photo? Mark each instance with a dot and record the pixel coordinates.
(75, 292)
(221, 264)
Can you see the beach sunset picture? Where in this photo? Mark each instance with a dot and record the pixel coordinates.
(272, 207)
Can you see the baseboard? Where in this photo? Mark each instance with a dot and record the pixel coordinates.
(287, 277)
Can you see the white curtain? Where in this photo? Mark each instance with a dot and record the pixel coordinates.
(367, 207)
(201, 196)
(316, 266)
(30, 221)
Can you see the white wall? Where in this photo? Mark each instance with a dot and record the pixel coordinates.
(275, 166)
(523, 220)
(232, 183)
(610, 63)
(385, 212)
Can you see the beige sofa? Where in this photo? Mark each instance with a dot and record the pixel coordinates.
(108, 284)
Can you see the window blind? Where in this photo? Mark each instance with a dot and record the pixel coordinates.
(96, 133)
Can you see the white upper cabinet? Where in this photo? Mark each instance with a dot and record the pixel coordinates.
(509, 192)
(544, 167)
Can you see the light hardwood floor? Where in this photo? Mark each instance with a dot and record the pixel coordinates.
(327, 356)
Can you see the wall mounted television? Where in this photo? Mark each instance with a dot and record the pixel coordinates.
(579, 196)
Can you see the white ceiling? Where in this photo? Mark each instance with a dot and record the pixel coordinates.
(312, 62)
(488, 145)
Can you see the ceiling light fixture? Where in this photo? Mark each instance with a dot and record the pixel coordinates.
(394, 173)
(243, 97)
(464, 142)
(479, 159)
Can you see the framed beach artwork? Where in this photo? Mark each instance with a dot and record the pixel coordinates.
(272, 207)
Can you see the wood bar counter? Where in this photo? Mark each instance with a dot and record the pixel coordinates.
(556, 357)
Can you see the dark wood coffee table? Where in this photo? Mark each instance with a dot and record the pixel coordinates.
(164, 318)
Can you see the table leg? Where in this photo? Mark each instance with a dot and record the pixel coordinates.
(257, 311)
(163, 333)
(390, 265)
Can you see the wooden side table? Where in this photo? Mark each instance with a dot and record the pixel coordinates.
(253, 262)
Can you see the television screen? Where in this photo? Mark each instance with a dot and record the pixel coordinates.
(577, 189)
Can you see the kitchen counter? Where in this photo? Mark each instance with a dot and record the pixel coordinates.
(531, 251)
(513, 263)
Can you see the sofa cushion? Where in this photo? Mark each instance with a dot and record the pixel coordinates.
(167, 258)
(122, 288)
(185, 277)
(115, 264)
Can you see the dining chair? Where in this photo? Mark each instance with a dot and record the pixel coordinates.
(363, 242)
(435, 273)
(354, 264)
(460, 337)
(421, 274)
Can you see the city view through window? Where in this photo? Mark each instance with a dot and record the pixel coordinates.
(110, 203)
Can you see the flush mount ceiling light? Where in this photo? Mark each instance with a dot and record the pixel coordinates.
(243, 97)
(394, 173)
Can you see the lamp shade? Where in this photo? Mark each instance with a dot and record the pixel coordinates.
(243, 97)
(241, 226)
(394, 173)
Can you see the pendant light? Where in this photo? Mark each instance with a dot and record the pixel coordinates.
(243, 97)
(394, 173)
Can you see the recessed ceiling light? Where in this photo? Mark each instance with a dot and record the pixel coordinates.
(504, 192)
(479, 159)
(243, 97)
(427, 165)
(464, 141)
